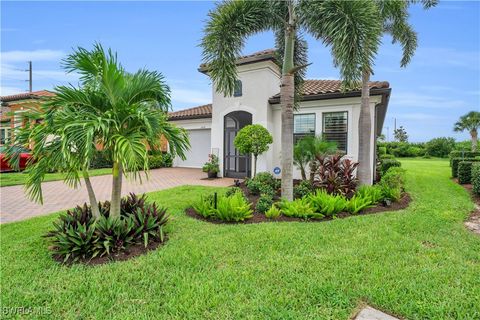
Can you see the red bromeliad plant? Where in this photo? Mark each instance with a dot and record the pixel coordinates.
(336, 175)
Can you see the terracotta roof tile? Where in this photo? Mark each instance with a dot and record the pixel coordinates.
(315, 87)
(27, 95)
(204, 111)
(267, 54)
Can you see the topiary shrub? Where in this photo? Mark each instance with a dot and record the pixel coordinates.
(456, 161)
(464, 172)
(476, 177)
(389, 163)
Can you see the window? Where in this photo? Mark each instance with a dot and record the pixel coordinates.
(5, 134)
(335, 127)
(237, 92)
(303, 125)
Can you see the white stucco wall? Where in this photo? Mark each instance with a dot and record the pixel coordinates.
(260, 81)
(351, 105)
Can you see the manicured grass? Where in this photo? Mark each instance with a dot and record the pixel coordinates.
(419, 263)
(16, 178)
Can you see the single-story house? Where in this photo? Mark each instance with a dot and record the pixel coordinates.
(12, 108)
(323, 110)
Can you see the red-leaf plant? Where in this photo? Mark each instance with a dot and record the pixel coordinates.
(336, 175)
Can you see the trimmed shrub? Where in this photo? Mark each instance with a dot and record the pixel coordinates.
(101, 160)
(394, 177)
(304, 188)
(454, 164)
(476, 178)
(387, 156)
(264, 203)
(463, 154)
(382, 151)
(464, 172)
(389, 163)
(263, 182)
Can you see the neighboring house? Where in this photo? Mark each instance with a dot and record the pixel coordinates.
(12, 108)
(324, 110)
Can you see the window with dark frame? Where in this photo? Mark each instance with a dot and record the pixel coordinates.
(335, 128)
(237, 92)
(303, 125)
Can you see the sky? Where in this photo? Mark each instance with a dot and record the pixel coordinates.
(428, 96)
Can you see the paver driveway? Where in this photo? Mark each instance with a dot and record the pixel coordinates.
(57, 196)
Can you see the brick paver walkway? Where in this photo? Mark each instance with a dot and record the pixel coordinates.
(57, 196)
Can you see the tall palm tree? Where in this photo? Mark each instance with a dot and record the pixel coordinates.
(124, 113)
(393, 17)
(232, 22)
(471, 123)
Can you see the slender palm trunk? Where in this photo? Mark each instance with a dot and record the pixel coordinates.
(302, 172)
(474, 135)
(313, 170)
(364, 171)
(91, 194)
(287, 91)
(116, 189)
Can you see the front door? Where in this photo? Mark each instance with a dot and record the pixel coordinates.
(236, 165)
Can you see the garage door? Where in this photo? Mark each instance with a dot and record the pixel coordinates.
(199, 149)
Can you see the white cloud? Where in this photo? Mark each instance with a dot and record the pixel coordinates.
(34, 55)
(189, 96)
(6, 91)
(416, 100)
(447, 57)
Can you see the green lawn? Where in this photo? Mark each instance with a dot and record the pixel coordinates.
(16, 178)
(419, 263)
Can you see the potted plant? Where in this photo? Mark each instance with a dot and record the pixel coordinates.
(211, 167)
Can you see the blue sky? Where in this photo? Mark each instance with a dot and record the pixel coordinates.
(441, 83)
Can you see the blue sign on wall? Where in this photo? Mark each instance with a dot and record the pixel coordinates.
(277, 170)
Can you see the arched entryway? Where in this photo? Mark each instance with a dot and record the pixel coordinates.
(235, 164)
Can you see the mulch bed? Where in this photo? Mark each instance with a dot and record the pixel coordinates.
(260, 217)
(131, 252)
(473, 221)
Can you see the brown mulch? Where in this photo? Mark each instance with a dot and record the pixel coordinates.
(473, 221)
(131, 252)
(260, 217)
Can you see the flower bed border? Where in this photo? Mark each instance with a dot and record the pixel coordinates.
(403, 203)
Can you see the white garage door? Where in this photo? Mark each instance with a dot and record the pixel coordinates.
(199, 149)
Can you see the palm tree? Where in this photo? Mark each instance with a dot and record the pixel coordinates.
(306, 152)
(334, 22)
(124, 113)
(393, 17)
(471, 123)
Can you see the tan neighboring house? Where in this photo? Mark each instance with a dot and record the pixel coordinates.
(12, 109)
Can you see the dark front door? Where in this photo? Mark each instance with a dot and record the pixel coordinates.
(236, 165)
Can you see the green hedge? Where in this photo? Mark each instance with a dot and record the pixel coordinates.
(456, 161)
(389, 163)
(476, 178)
(101, 160)
(464, 172)
(160, 160)
(155, 160)
(463, 155)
